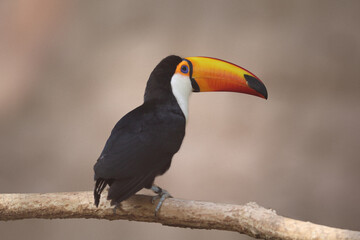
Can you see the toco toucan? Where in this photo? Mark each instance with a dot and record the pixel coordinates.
(143, 142)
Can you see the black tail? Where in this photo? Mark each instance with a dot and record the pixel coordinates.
(99, 187)
(121, 190)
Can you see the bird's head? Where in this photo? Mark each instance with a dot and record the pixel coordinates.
(203, 74)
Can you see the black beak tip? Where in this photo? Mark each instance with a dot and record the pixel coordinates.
(257, 85)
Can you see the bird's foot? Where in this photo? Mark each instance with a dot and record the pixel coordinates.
(116, 206)
(162, 194)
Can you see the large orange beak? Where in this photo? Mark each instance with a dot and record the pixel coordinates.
(211, 74)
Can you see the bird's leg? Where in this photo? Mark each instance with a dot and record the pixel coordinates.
(162, 194)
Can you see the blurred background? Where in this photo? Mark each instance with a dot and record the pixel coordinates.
(71, 69)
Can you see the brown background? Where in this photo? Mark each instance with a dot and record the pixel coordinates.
(70, 69)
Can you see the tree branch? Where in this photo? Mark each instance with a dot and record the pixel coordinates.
(249, 219)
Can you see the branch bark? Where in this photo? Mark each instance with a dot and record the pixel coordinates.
(249, 219)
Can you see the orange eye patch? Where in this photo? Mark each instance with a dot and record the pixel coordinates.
(183, 68)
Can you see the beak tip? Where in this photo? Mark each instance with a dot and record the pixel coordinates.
(257, 85)
(265, 95)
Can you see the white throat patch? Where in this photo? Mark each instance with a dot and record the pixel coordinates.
(181, 88)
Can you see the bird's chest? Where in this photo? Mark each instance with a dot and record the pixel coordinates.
(164, 130)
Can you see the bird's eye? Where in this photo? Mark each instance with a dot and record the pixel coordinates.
(184, 69)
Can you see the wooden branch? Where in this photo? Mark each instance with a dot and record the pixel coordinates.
(249, 219)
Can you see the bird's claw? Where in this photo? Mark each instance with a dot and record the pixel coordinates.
(162, 195)
(154, 198)
(165, 194)
(162, 198)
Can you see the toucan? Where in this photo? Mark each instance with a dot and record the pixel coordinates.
(144, 141)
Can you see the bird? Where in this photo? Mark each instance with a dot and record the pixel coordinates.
(143, 142)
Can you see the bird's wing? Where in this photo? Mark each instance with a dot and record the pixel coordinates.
(141, 142)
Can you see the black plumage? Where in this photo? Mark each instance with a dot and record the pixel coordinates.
(143, 142)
